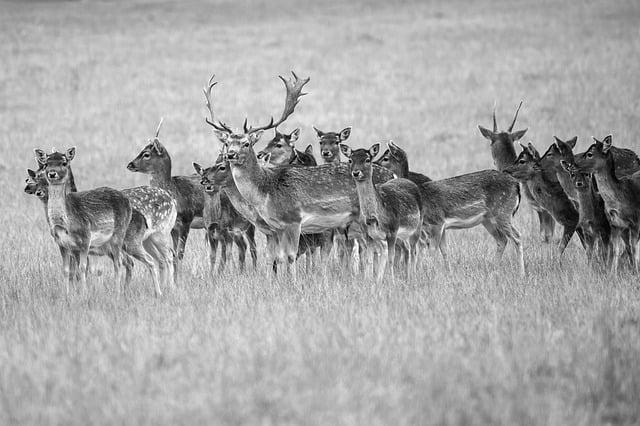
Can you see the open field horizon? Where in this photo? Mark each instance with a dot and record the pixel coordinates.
(476, 346)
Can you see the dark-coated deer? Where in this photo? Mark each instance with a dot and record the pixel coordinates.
(547, 193)
(290, 200)
(223, 223)
(330, 144)
(551, 163)
(154, 160)
(621, 198)
(80, 222)
(593, 220)
(504, 154)
(389, 212)
(396, 160)
(282, 151)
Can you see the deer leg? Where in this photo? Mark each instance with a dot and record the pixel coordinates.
(617, 243)
(224, 244)
(163, 246)
(567, 233)
(127, 262)
(138, 252)
(441, 243)
(83, 255)
(155, 251)
(213, 248)
(390, 256)
(290, 241)
(501, 240)
(252, 245)
(67, 268)
(242, 250)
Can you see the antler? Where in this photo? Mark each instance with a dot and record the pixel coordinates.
(515, 117)
(159, 126)
(207, 95)
(294, 93)
(495, 124)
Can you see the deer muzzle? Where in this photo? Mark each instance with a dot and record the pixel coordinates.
(131, 167)
(357, 174)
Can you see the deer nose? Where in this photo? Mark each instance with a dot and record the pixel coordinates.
(356, 174)
(131, 166)
(52, 175)
(260, 154)
(232, 155)
(327, 154)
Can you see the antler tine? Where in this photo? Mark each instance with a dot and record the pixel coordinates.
(244, 126)
(495, 124)
(294, 93)
(515, 117)
(207, 96)
(159, 126)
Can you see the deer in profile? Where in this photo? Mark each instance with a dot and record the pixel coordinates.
(504, 154)
(154, 160)
(147, 238)
(389, 212)
(487, 197)
(224, 225)
(593, 220)
(330, 144)
(281, 151)
(80, 222)
(547, 193)
(395, 159)
(621, 198)
(290, 200)
(551, 163)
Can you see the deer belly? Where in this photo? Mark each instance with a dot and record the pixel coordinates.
(405, 233)
(313, 223)
(102, 232)
(462, 222)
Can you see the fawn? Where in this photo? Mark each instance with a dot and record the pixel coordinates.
(389, 212)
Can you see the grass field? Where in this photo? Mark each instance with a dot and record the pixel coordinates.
(476, 346)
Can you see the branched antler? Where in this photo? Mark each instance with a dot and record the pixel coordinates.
(294, 93)
(219, 125)
(515, 117)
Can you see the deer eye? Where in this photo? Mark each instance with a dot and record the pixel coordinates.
(589, 155)
(246, 145)
(350, 161)
(522, 161)
(279, 145)
(146, 155)
(222, 168)
(368, 160)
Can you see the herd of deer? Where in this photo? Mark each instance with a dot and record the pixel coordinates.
(370, 207)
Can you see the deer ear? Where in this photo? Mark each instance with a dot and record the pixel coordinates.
(516, 136)
(320, 133)
(222, 136)
(572, 142)
(309, 149)
(533, 151)
(266, 159)
(31, 173)
(71, 153)
(488, 134)
(294, 137)
(393, 147)
(41, 156)
(345, 133)
(254, 137)
(374, 150)
(157, 146)
(198, 168)
(607, 143)
(346, 151)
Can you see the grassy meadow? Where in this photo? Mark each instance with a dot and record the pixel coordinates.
(478, 345)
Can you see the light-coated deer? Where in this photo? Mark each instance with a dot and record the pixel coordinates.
(389, 212)
(154, 160)
(504, 154)
(330, 144)
(282, 151)
(290, 200)
(80, 222)
(487, 197)
(621, 198)
(223, 223)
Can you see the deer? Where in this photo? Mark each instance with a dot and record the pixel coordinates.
(551, 163)
(80, 222)
(329, 144)
(290, 200)
(395, 159)
(504, 154)
(593, 220)
(392, 211)
(154, 160)
(486, 197)
(223, 223)
(281, 150)
(148, 234)
(547, 193)
(621, 198)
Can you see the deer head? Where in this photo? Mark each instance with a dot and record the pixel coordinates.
(558, 151)
(153, 157)
(36, 183)
(527, 163)
(394, 159)
(282, 148)
(502, 142)
(239, 145)
(329, 143)
(56, 166)
(579, 178)
(597, 157)
(361, 161)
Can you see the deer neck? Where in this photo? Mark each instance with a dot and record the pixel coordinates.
(57, 208)
(608, 183)
(369, 199)
(249, 178)
(72, 182)
(586, 204)
(162, 179)
(239, 203)
(567, 184)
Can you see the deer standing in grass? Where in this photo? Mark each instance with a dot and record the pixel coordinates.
(488, 197)
(281, 150)
(80, 222)
(621, 198)
(547, 193)
(154, 160)
(593, 220)
(389, 212)
(504, 154)
(223, 223)
(290, 200)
